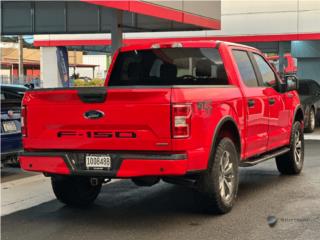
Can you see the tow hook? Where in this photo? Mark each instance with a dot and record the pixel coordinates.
(94, 182)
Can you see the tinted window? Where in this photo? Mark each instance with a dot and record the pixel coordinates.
(12, 95)
(169, 66)
(268, 76)
(245, 67)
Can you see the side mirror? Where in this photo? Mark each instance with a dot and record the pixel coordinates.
(291, 82)
(29, 85)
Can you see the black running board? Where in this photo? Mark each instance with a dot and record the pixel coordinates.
(255, 160)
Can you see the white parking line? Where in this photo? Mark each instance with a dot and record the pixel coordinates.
(312, 136)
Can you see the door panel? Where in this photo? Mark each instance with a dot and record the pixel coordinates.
(278, 118)
(256, 108)
(257, 122)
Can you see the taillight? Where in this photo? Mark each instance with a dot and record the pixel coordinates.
(181, 120)
(24, 121)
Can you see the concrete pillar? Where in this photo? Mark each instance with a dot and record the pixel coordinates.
(116, 30)
(21, 70)
(49, 72)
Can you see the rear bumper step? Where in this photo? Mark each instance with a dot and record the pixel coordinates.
(123, 165)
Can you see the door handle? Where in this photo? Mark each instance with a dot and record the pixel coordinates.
(251, 103)
(272, 101)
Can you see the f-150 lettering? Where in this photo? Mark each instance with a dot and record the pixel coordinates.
(96, 134)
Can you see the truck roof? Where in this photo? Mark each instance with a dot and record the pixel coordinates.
(182, 44)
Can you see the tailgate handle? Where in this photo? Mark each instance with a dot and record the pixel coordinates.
(92, 94)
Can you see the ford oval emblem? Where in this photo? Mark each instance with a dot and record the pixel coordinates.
(93, 114)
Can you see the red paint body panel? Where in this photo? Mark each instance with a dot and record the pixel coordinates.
(146, 112)
(44, 164)
(122, 110)
(219, 103)
(136, 168)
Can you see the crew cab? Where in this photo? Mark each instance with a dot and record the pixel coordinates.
(186, 112)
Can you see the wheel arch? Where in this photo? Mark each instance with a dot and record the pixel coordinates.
(226, 127)
(298, 115)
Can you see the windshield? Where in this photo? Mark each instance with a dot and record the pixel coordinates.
(169, 66)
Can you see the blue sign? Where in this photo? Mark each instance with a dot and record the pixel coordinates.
(63, 66)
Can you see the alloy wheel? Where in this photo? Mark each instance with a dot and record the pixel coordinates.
(226, 178)
(298, 148)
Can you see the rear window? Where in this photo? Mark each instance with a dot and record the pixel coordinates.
(169, 66)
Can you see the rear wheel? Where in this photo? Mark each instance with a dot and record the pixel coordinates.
(292, 161)
(311, 121)
(218, 186)
(75, 191)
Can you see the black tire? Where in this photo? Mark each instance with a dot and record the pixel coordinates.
(210, 193)
(289, 163)
(310, 126)
(75, 191)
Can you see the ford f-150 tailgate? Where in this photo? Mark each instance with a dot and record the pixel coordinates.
(98, 119)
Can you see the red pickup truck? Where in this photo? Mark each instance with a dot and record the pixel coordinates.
(190, 112)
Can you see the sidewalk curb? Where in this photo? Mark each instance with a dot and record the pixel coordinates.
(310, 137)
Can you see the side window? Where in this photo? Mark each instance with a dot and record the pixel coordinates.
(245, 67)
(268, 76)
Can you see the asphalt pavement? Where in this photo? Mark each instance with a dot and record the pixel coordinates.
(9, 174)
(163, 211)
